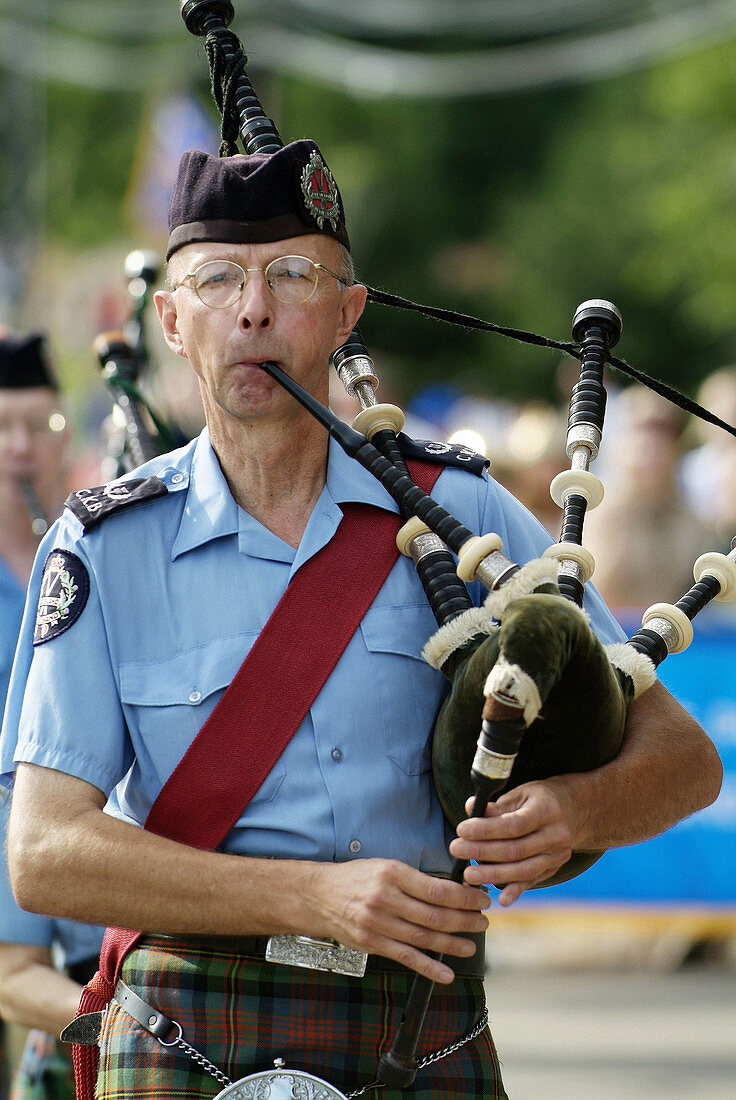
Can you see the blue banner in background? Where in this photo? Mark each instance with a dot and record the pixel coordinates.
(693, 863)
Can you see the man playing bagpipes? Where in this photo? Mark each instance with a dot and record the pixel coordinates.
(291, 819)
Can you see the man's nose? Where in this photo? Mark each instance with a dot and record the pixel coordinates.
(256, 302)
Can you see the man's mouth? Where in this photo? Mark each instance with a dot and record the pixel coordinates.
(254, 363)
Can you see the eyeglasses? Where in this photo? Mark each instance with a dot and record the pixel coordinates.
(220, 283)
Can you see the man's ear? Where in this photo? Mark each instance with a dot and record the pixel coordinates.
(167, 315)
(352, 305)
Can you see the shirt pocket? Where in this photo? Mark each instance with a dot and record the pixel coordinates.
(406, 688)
(166, 702)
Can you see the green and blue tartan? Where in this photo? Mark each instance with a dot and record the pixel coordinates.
(45, 1070)
(242, 1013)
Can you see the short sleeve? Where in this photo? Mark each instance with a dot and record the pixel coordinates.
(63, 707)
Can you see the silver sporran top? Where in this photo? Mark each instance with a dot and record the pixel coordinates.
(316, 954)
(280, 1084)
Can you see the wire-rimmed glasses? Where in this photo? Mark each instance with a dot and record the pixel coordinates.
(220, 283)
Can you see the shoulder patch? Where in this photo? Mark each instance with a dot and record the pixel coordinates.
(91, 506)
(446, 454)
(64, 592)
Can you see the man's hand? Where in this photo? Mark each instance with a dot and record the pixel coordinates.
(386, 908)
(524, 838)
(666, 769)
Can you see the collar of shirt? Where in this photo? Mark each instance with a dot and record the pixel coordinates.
(210, 511)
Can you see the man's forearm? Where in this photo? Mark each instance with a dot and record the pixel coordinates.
(68, 858)
(74, 861)
(666, 770)
(32, 992)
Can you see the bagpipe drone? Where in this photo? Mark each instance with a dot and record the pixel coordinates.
(136, 433)
(525, 666)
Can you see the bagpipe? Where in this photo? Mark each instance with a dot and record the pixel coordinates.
(525, 666)
(136, 433)
(40, 522)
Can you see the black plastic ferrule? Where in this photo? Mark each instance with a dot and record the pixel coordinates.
(573, 518)
(571, 588)
(651, 644)
(448, 597)
(706, 589)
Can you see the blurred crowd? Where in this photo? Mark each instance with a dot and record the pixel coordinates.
(669, 477)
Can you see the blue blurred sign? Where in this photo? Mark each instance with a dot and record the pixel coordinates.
(695, 862)
(172, 125)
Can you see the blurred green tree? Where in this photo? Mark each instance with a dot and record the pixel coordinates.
(514, 208)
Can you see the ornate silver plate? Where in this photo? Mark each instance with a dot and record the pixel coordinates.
(316, 955)
(280, 1084)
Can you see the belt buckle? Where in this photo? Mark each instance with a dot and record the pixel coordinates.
(316, 954)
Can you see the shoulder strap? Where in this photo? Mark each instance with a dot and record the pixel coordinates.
(282, 675)
(249, 729)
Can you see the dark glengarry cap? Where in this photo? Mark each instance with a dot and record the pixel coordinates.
(24, 362)
(252, 199)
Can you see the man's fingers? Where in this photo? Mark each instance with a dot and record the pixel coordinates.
(528, 871)
(428, 967)
(414, 949)
(429, 927)
(505, 822)
(511, 893)
(393, 910)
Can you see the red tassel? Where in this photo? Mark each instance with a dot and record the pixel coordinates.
(95, 997)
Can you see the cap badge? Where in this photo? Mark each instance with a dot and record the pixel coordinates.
(320, 192)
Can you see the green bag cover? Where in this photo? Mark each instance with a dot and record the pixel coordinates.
(584, 701)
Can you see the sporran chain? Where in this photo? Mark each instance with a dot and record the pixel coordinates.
(224, 1080)
(200, 1059)
(436, 1056)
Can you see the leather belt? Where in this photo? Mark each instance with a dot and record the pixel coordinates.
(256, 947)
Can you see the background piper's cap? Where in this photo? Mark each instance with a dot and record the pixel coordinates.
(24, 362)
(251, 199)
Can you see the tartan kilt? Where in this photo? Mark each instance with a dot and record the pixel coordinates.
(242, 1013)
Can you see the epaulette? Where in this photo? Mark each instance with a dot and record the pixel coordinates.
(91, 506)
(447, 454)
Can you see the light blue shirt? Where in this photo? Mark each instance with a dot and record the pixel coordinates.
(180, 588)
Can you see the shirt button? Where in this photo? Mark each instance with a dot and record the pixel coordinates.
(195, 696)
(176, 478)
(337, 755)
(355, 846)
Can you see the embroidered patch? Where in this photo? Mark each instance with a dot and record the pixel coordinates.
(446, 454)
(64, 592)
(93, 505)
(320, 192)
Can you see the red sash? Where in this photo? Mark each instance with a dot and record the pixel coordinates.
(246, 733)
